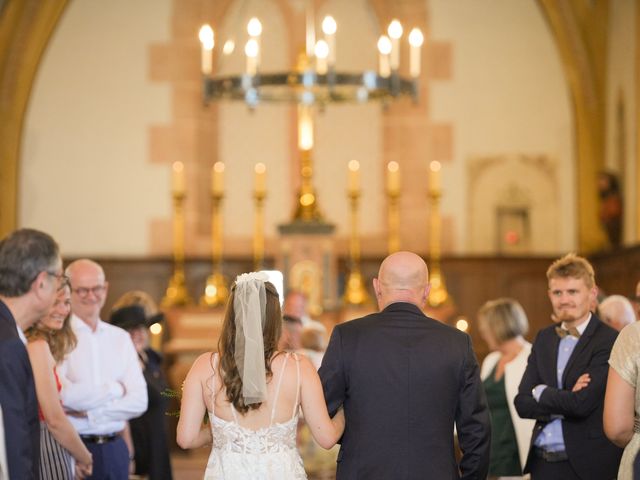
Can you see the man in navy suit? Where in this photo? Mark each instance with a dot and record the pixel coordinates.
(405, 380)
(564, 384)
(30, 276)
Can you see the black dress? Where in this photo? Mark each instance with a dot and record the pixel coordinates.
(149, 431)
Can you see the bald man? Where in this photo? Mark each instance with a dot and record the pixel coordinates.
(404, 381)
(102, 379)
(616, 311)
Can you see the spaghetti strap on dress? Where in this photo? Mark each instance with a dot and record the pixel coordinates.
(268, 453)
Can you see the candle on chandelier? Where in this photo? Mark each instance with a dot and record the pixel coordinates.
(416, 40)
(217, 178)
(393, 178)
(329, 28)
(251, 50)
(207, 43)
(354, 176)
(384, 48)
(254, 29)
(178, 184)
(434, 176)
(321, 51)
(395, 33)
(261, 178)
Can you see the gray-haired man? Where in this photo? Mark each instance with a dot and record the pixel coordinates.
(30, 275)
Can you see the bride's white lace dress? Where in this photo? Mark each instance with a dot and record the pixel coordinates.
(269, 453)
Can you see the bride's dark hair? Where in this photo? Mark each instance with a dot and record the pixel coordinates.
(227, 346)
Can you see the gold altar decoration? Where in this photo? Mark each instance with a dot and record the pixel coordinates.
(259, 194)
(216, 291)
(393, 211)
(307, 209)
(438, 296)
(176, 294)
(355, 291)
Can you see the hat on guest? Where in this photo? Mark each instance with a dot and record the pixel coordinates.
(130, 317)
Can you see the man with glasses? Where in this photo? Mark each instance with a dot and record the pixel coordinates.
(30, 276)
(103, 385)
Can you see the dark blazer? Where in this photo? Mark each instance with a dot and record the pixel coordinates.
(591, 454)
(18, 401)
(405, 380)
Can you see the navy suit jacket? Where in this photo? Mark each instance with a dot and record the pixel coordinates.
(19, 402)
(404, 380)
(591, 454)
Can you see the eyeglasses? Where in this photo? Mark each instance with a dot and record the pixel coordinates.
(61, 277)
(83, 292)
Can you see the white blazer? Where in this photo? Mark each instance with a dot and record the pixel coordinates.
(513, 372)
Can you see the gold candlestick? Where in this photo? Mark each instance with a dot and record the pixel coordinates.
(307, 209)
(176, 294)
(438, 295)
(394, 221)
(355, 291)
(393, 201)
(259, 194)
(216, 291)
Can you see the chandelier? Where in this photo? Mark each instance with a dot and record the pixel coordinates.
(314, 80)
(311, 84)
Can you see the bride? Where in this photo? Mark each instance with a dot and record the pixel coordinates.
(252, 394)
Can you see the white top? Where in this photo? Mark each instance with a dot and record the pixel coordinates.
(102, 377)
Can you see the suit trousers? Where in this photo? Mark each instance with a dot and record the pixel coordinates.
(110, 460)
(544, 470)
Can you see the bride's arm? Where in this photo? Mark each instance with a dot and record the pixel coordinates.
(326, 431)
(191, 432)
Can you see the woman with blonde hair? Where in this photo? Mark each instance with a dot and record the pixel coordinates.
(252, 393)
(49, 341)
(503, 323)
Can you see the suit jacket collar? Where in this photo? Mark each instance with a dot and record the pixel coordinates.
(403, 307)
(7, 316)
(592, 326)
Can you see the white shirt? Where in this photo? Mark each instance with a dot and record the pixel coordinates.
(21, 334)
(93, 376)
(4, 469)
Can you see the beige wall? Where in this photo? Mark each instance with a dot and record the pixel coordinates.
(86, 175)
(508, 97)
(621, 89)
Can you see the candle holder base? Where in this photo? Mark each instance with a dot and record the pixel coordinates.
(355, 291)
(176, 294)
(438, 295)
(216, 291)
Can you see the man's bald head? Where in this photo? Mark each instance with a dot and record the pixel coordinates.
(88, 290)
(403, 277)
(82, 267)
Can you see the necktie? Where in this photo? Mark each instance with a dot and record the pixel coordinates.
(563, 332)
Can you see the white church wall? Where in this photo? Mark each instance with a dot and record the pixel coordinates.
(507, 96)
(621, 137)
(84, 171)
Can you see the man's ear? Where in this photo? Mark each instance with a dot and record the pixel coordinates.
(39, 281)
(427, 289)
(376, 287)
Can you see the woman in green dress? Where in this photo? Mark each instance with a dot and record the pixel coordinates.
(502, 325)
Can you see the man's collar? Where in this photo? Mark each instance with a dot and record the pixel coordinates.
(583, 326)
(78, 323)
